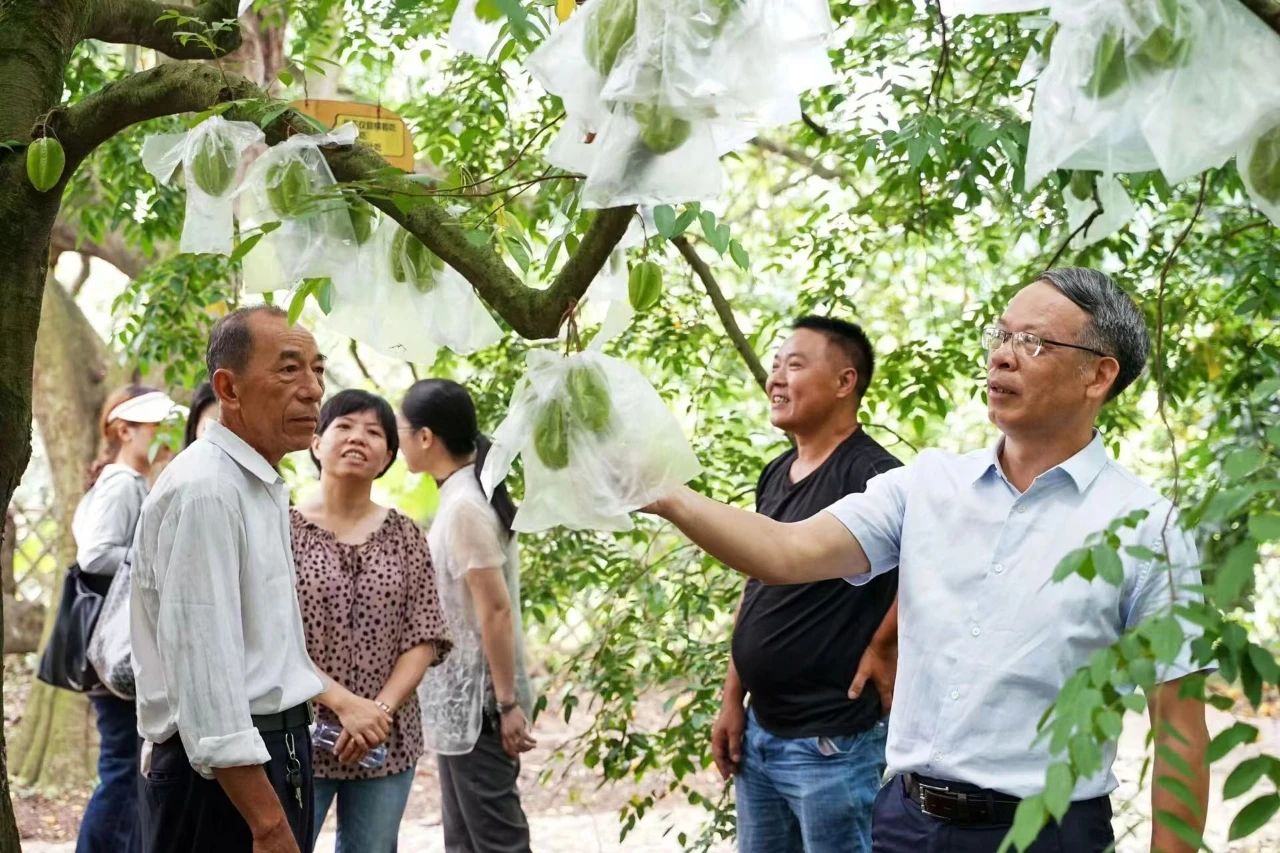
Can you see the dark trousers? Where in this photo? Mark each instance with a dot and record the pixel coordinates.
(111, 817)
(182, 812)
(480, 804)
(899, 826)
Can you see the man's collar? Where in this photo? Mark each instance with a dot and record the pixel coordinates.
(244, 455)
(1083, 468)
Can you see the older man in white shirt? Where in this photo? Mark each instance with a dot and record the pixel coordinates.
(986, 637)
(223, 675)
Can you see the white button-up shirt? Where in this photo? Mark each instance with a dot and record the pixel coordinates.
(986, 638)
(106, 517)
(216, 629)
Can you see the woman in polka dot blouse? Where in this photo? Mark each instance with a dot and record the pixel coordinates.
(372, 619)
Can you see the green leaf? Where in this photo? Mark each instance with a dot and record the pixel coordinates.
(1028, 820)
(324, 295)
(1110, 723)
(1265, 527)
(1245, 775)
(1242, 462)
(1235, 573)
(1085, 754)
(1135, 702)
(1058, 787)
(1072, 564)
(1108, 564)
(517, 251)
(1264, 663)
(1254, 816)
(684, 220)
(1181, 828)
(299, 300)
(1166, 637)
(664, 219)
(644, 285)
(285, 77)
(739, 255)
(1179, 789)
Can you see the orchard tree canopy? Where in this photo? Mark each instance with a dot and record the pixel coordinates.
(899, 200)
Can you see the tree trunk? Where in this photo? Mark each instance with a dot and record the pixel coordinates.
(36, 40)
(53, 747)
(22, 619)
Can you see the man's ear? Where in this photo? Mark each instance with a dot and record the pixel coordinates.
(224, 387)
(847, 383)
(1104, 376)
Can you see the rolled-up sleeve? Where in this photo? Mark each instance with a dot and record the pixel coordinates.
(199, 633)
(1165, 585)
(875, 518)
(105, 533)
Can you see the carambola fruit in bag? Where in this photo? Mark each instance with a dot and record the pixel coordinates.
(289, 187)
(413, 263)
(45, 162)
(213, 165)
(661, 130)
(589, 401)
(1109, 69)
(608, 31)
(551, 435)
(1264, 166)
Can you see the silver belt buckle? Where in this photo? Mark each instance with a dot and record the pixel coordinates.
(928, 790)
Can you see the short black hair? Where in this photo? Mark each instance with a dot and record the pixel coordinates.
(351, 401)
(231, 342)
(851, 340)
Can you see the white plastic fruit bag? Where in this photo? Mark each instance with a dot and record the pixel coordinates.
(1259, 166)
(1117, 209)
(209, 155)
(1134, 85)
(405, 303)
(1090, 97)
(597, 443)
(292, 184)
(656, 90)
(1215, 96)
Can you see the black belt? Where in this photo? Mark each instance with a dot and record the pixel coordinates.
(290, 718)
(970, 806)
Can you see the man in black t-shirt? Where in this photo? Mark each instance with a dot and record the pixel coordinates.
(816, 660)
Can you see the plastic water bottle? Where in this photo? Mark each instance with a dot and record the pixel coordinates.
(326, 735)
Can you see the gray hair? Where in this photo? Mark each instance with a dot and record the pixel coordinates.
(1115, 326)
(231, 342)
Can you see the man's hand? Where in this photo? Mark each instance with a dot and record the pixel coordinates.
(515, 733)
(277, 839)
(879, 665)
(726, 737)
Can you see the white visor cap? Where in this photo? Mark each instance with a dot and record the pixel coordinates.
(149, 408)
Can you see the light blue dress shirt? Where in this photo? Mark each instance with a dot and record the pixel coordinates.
(986, 638)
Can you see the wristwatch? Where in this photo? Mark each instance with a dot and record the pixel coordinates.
(386, 708)
(505, 708)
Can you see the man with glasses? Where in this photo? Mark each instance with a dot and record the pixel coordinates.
(986, 637)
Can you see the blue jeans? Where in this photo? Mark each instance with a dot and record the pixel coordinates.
(111, 817)
(808, 795)
(369, 811)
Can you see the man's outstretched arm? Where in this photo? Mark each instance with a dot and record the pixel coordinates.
(775, 552)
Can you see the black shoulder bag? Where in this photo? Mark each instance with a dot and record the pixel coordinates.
(65, 660)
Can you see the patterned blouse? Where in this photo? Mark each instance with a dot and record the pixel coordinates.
(362, 607)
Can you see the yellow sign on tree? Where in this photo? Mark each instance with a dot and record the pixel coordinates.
(379, 127)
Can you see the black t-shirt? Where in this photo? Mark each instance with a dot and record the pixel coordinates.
(797, 646)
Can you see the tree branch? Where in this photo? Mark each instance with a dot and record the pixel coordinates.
(112, 250)
(724, 309)
(174, 88)
(795, 155)
(137, 22)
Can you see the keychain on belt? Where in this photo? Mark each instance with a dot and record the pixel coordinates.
(293, 769)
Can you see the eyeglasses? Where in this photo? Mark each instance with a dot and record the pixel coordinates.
(1025, 343)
